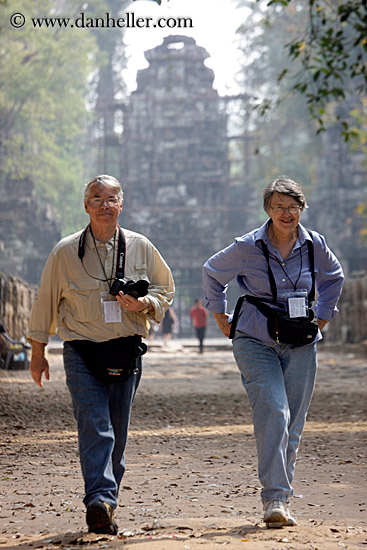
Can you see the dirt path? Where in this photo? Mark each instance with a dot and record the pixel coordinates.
(191, 480)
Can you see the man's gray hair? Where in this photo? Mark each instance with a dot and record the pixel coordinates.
(106, 181)
(285, 186)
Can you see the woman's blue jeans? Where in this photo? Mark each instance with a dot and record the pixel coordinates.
(102, 411)
(279, 382)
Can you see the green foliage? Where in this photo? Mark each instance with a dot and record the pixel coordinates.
(281, 137)
(51, 81)
(42, 103)
(330, 51)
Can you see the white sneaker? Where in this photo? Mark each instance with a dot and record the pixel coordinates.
(275, 513)
(291, 521)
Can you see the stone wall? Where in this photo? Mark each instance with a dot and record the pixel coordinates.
(27, 231)
(350, 325)
(16, 299)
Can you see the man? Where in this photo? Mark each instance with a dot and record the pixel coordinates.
(199, 320)
(102, 335)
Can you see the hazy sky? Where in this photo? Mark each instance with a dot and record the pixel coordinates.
(214, 26)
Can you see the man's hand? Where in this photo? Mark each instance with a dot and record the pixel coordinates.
(222, 322)
(39, 363)
(132, 304)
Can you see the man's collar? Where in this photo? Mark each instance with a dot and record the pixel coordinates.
(110, 242)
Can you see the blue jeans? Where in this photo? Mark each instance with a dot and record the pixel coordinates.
(200, 333)
(102, 411)
(279, 382)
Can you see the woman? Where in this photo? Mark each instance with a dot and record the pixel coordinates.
(278, 377)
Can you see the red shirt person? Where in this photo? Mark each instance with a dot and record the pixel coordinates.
(199, 320)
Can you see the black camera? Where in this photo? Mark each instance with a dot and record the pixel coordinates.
(136, 289)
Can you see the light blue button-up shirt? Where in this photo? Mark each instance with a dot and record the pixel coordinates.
(245, 261)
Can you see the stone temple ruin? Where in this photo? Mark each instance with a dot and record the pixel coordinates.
(175, 160)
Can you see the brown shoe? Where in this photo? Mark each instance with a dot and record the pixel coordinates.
(100, 518)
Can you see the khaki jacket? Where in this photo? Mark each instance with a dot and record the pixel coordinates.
(69, 301)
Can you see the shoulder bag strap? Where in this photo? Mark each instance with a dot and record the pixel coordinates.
(266, 310)
(311, 256)
(236, 313)
(273, 285)
(261, 306)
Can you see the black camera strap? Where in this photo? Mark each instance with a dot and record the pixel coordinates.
(311, 295)
(121, 255)
(121, 252)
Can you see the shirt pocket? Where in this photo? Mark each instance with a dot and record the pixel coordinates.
(84, 300)
(140, 272)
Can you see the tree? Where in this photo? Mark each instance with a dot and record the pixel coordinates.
(280, 140)
(42, 105)
(331, 50)
(51, 79)
(107, 91)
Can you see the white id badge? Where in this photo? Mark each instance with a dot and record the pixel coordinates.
(297, 303)
(111, 308)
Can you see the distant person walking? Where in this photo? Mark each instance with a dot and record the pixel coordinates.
(199, 319)
(169, 321)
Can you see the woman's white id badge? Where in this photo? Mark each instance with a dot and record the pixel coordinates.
(111, 308)
(297, 303)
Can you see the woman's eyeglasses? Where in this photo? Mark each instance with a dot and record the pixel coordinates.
(282, 209)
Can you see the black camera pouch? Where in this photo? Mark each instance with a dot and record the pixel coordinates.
(113, 360)
(296, 332)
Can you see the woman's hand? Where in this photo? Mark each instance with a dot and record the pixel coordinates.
(322, 323)
(223, 324)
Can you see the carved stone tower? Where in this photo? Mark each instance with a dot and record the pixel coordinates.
(175, 160)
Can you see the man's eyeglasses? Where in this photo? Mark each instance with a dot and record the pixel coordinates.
(291, 209)
(98, 201)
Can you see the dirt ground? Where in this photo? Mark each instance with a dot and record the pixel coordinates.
(191, 479)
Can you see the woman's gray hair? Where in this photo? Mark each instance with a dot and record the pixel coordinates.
(285, 186)
(106, 181)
